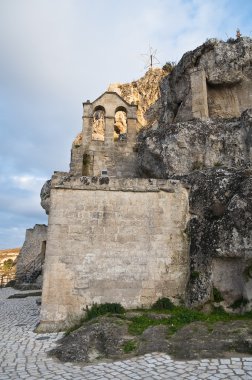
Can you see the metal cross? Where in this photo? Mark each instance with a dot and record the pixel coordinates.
(150, 58)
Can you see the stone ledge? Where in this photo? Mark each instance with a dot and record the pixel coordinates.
(62, 180)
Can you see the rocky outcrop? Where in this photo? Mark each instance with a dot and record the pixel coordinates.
(220, 197)
(180, 148)
(204, 140)
(144, 92)
(220, 231)
(109, 338)
(45, 196)
(213, 80)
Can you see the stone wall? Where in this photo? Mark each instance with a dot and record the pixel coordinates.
(113, 240)
(32, 254)
(89, 157)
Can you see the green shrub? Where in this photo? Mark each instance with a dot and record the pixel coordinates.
(217, 296)
(169, 66)
(163, 304)
(129, 346)
(7, 265)
(93, 312)
(104, 308)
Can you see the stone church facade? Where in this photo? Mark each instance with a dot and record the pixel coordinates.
(112, 237)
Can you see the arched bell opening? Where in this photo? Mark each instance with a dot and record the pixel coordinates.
(120, 124)
(98, 127)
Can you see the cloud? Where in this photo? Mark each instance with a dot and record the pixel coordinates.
(57, 53)
(28, 182)
(20, 207)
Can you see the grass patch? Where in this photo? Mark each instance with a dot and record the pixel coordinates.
(129, 346)
(141, 323)
(181, 316)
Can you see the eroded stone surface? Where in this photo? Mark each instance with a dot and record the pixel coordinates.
(145, 93)
(45, 196)
(113, 240)
(214, 80)
(32, 254)
(187, 146)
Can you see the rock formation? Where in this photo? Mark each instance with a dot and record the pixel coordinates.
(212, 157)
(45, 196)
(144, 92)
(213, 81)
(180, 148)
(197, 134)
(220, 231)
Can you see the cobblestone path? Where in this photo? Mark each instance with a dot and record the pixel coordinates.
(23, 355)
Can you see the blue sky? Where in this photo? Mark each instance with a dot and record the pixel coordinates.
(55, 54)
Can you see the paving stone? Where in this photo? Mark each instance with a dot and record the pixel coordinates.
(23, 355)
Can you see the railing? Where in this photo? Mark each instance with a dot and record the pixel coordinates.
(29, 273)
(6, 278)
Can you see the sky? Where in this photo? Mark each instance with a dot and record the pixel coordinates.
(55, 54)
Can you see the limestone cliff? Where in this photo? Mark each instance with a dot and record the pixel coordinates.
(220, 231)
(180, 148)
(144, 92)
(210, 152)
(225, 70)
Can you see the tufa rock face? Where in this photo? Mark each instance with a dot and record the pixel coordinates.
(45, 196)
(213, 80)
(183, 147)
(220, 231)
(144, 92)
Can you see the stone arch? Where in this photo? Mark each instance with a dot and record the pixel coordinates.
(98, 126)
(120, 124)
